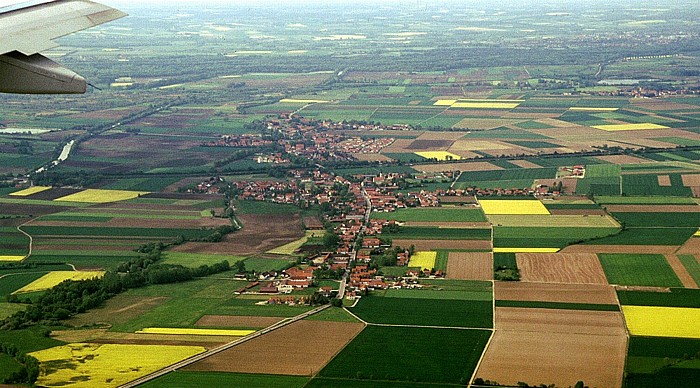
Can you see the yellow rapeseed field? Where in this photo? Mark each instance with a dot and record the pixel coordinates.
(53, 278)
(592, 109)
(697, 234)
(516, 206)
(176, 331)
(30, 191)
(106, 365)
(525, 250)
(423, 260)
(439, 155)
(12, 258)
(629, 127)
(663, 321)
(101, 196)
(479, 104)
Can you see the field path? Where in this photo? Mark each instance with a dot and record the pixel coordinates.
(681, 272)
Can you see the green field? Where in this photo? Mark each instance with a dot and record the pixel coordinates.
(223, 379)
(638, 270)
(321, 382)
(545, 237)
(658, 219)
(662, 362)
(410, 354)
(136, 232)
(647, 236)
(425, 312)
(261, 264)
(433, 233)
(691, 264)
(557, 305)
(196, 259)
(444, 214)
(631, 200)
(13, 282)
(678, 297)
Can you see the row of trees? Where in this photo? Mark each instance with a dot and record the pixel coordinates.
(29, 369)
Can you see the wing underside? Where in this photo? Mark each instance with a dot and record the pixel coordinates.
(30, 28)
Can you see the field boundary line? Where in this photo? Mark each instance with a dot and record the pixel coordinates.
(356, 317)
(211, 352)
(627, 335)
(483, 355)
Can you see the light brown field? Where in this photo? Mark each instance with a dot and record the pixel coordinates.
(662, 105)
(511, 151)
(548, 220)
(696, 191)
(580, 248)
(236, 321)
(558, 293)
(692, 246)
(664, 180)
(691, 179)
(681, 271)
(557, 358)
(260, 233)
(372, 157)
(464, 166)
(653, 208)
(426, 245)
(470, 266)
(302, 348)
(560, 268)
(622, 159)
(399, 146)
(430, 135)
(477, 145)
(524, 163)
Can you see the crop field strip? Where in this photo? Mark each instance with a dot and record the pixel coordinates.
(658, 361)
(638, 270)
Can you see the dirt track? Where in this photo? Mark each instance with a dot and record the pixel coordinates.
(560, 268)
(470, 266)
(302, 349)
(681, 272)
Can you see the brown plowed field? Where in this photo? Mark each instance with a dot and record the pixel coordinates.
(554, 358)
(661, 249)
(302, 348)
(236, 321)
(107, 337)
(52, 194)
(691, 179)
(426, 245)
(470, 266)
(440, 136)
(560, 268)
(560, 321)
(429, 145)
(260, 233)
(664, 180)
(464, 166)
(561, 293)
(692, 246)
(681, 272)
(652, 208)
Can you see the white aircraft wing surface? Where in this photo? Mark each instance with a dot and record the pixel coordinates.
(28, 28)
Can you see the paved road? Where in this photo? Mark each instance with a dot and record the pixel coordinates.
(221, 348)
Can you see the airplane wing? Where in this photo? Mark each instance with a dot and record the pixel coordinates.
(30, 27)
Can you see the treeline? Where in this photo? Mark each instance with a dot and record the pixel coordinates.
(73, 297)
(29, 369)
